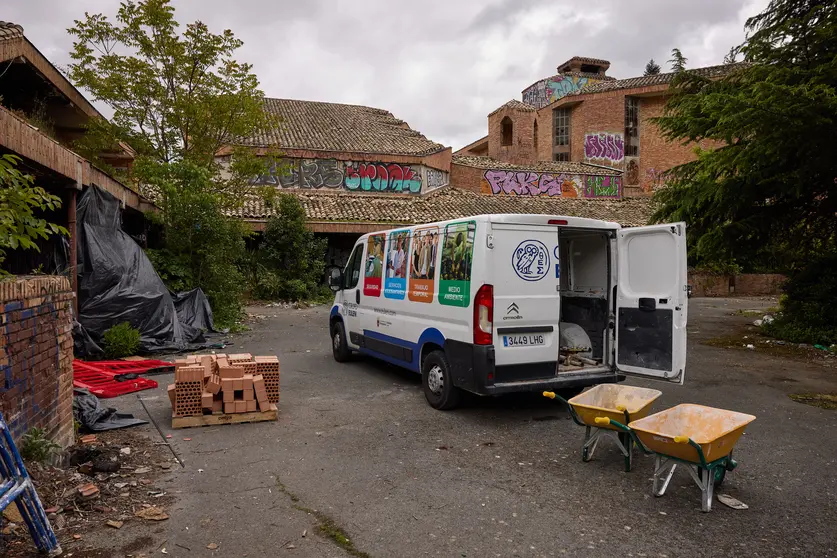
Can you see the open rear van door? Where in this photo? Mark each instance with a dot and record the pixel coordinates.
(651, 302)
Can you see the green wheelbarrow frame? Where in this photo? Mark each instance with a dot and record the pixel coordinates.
(707, 475)
(593, 434)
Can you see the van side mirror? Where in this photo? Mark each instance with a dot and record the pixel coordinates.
(335, 279)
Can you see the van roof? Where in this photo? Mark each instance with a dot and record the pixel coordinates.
(518, 218)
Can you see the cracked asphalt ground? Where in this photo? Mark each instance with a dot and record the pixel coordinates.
(501, 477)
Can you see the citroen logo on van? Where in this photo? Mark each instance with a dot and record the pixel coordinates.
(513, 309)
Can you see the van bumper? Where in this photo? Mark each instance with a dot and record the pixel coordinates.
(473, 369)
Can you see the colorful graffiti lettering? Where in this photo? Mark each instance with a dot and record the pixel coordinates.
(655, 180)
(523, 183)
(551, 89)
(381, 177)
(602, 186)
(435, 179)
(604, 145)
(333, 174)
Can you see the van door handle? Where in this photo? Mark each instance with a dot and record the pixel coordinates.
(357, 297)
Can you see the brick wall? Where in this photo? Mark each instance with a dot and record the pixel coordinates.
(36, 356)
(746, 284)
(466, 178)
(521, 151)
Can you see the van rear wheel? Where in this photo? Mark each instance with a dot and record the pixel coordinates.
(438, 384)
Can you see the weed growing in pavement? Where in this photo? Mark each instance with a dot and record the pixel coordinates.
(37, 447)
(121, 340)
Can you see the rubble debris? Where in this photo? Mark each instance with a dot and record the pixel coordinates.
(87, 491)
(115, 524)
(89, 439)
(152, 513)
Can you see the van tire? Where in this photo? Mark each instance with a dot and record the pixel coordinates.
(339, 348)
(437, 381)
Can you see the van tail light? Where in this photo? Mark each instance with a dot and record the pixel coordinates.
(484, 316)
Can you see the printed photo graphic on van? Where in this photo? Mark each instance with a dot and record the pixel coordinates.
(373, 276)
(395, 284)
(423, 264)
(457, 257)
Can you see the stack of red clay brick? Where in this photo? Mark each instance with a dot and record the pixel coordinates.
(212, 384)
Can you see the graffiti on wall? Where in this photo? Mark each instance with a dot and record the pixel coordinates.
(527, 183)
(553, 88)
(382, 177)
(349, 175)
(602, 186)
(655, 180)
(435, 179)
(607, 146)
(632, 173)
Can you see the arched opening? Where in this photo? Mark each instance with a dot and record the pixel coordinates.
(535, 137)
(507, 131)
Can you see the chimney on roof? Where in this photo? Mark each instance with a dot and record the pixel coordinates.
(584, 65)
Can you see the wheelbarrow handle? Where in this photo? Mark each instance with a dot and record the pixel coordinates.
(553, 395)
(688, 440)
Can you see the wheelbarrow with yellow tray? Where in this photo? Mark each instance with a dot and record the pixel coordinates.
(698, 437)
(609, 402)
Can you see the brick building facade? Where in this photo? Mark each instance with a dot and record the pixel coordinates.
(599, 120)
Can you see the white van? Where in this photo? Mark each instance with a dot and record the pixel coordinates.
(495, 304)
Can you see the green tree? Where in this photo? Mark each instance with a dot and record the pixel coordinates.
(678, 61)
(289, 263)
(768, 184)
(651, 68)
(20, 202)
(179, 99)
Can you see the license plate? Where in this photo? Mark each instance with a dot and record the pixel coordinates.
(523, 340)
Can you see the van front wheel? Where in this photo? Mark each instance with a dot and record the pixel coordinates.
(438, 384)
(339, 348)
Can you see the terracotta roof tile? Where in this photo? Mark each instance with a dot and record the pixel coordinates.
(337, 127)
(515, 105)
(446, 203)
(585, 60)
(541, 166)
(10, 31)
(659, 79)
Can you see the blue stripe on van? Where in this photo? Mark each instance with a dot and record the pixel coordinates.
(335, 311)
(429, 335)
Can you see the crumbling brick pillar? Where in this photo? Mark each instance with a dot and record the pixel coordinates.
(36, 356)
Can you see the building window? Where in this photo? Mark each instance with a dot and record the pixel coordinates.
(507, 131)
(535, 138)
(631, 127)
(562, 127)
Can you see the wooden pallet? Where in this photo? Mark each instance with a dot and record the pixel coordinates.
(224, 418)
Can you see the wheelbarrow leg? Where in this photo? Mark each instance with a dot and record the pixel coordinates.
(591, 440)
(707, 490)
(626, 444)
(660, 466)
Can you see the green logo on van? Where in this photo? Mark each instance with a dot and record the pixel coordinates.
(457, 258)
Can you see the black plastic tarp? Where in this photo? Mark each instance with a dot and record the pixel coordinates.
(88, 411)
(117, 283)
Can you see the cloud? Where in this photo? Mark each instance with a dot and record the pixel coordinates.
(441, 65)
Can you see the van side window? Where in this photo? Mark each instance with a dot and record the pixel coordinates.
(352, 273)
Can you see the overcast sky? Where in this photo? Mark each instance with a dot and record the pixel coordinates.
(441, 65)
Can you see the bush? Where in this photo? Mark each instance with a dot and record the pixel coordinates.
(290, 261)
(121, 341)
(36, 447)
(807, 309)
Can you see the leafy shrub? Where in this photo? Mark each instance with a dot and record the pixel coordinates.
(121, 341)
(290, 261)
(36, 447)
(807, 309)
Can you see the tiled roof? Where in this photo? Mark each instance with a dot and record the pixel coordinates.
(10, 31)
(337, 127)
(659, 79)
(540, 166)
(447, 203)
(516, 105)
(585, 60)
